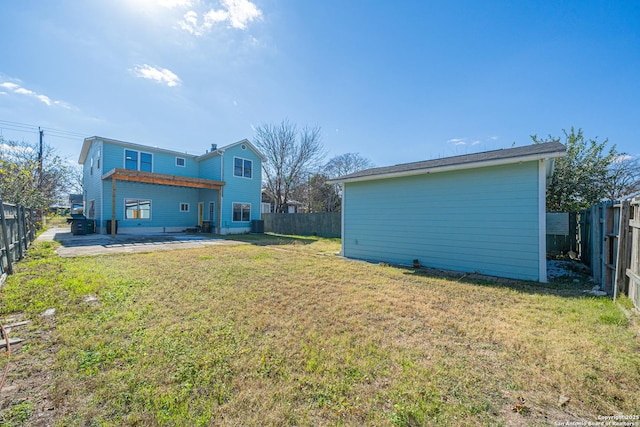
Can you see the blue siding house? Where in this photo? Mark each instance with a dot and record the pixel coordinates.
(482, 212)
(144, 189)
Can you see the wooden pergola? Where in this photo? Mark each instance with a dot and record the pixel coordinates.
(119, 174)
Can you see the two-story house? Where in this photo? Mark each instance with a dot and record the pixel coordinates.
(144, 189)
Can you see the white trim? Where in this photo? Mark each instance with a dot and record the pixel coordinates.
(101, 217)
(243, 160)
(181, 204)
(137, 147)
(342, 203)
(138, 159)
(124, 211)
(140, 153)
(542, 221)
(437, 169)
(184, 162)
(240, 203)
(211, 213)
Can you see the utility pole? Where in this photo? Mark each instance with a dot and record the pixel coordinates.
(40, 160)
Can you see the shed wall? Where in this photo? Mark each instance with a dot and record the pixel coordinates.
(481, 220)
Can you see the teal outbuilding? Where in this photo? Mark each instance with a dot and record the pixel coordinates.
(479, 213)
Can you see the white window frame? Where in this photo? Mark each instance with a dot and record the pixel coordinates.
(183, 205)
(184, 162)
(241, 211)
(243, 169)
(138, 159)
(138, 208)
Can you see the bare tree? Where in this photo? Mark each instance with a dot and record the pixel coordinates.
(347, 163)
(623, 177)
(290, 155)
(330, 195)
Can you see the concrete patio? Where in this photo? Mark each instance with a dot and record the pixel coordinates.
(100, 244)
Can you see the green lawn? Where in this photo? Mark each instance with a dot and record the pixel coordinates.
(284, 332)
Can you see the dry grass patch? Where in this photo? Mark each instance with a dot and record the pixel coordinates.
(284, 333)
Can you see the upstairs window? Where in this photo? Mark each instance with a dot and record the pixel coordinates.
(242, 167)
(131, 160)
(145, 162)
(180, 161)
(136, 160)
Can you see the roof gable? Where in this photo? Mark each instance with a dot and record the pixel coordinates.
(547, 150)
(248, 144)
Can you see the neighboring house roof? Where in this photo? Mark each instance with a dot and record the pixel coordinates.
(547, 150)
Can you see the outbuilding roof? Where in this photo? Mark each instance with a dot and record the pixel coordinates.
(546, 150)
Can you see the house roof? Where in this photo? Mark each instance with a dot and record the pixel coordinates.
(235, 144)
(88, 141)
(547, 150)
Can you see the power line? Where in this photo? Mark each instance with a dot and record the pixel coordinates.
(29, 128)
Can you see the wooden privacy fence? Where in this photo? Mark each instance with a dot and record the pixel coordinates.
(325, 224)
(611, 231)
(17, 231)
(632, 246)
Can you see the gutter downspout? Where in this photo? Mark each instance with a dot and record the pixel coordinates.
(220, 192)
(342, 203)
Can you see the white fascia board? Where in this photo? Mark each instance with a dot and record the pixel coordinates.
(139, 147)
(247, 143)
(437, 169)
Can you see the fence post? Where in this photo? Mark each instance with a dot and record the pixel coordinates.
(6, 250)
(32, 224)
(624, 249)
(19, 232)
(27, 241)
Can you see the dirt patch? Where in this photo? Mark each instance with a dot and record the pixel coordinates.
(26, 395)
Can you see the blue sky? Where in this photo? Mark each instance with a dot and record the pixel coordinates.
(394, 81)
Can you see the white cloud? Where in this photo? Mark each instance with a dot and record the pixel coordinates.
(476, 142)
(160, 75)
(10, 86)
(237, 13)
(170, 4)
(241, 12)
(16, 88)
(16, 151)
(457, 141)
(622, 158)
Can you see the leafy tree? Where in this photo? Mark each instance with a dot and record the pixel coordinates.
(579, 178)
(323, 197)
(290, 155)
(22, 179)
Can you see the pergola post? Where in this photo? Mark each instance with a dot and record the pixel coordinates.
(113, 206)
